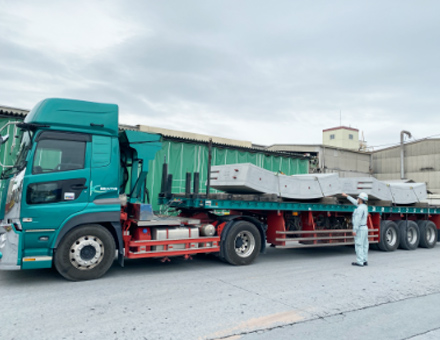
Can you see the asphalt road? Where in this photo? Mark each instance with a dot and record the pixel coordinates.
(285, 294)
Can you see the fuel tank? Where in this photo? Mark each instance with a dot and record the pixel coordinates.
(175, 233)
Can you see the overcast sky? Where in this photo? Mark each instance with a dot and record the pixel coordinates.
(265, 71)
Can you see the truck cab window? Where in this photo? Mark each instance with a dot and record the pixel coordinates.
(58, 155)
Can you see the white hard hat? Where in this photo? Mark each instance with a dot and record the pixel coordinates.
(363, 196)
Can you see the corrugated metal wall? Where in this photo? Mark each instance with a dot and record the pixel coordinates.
(346, 163)
(422, 163)
(183, 157)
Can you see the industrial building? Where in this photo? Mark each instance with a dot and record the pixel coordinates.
(341, 137)
(421, 163)
(330, 159)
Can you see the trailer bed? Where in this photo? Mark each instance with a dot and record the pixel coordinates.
(230, 202)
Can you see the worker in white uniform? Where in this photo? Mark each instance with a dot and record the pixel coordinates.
(360, 229)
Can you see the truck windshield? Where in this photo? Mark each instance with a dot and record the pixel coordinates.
(20, 159)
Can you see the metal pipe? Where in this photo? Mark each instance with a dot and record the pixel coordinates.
(169, 189)
(208, 182)
(188, 184)
(196, 182)
(163, 186)
(402, 155)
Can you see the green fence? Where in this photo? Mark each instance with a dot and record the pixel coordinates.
(183, 157)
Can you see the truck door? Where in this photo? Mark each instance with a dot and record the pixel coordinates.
(56, 186)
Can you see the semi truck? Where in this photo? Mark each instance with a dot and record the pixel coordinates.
(75, 200)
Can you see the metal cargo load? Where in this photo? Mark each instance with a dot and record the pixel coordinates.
(376, 190)
(408, 193)
(395, 192)
(247, 178)
(243, 178)
(309, 186)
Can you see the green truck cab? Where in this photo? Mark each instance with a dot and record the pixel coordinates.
(68, 174)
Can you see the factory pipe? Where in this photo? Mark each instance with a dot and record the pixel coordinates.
(402, 155)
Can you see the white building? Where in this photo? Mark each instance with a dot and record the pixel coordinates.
(341, 137)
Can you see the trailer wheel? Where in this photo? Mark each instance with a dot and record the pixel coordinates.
(85, 253)
(389, 236)
(242, 243)
(409, 235)
(428, 234)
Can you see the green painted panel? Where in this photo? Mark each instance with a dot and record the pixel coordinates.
(76, 116)
(183, 157)
(102, 151)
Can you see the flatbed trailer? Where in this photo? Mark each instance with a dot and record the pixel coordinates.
(253, 221)
(318, 224)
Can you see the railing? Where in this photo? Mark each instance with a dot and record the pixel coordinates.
(321, 238)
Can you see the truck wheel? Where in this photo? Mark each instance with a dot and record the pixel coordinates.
(409, 235)
(85, 253)
(242, 243)
(389, 236)
(428, 234)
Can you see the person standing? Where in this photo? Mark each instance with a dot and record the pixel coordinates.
(360, 229)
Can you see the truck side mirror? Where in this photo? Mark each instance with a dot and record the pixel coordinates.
(3, 139)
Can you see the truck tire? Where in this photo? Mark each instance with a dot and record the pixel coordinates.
(389, 236)
(242, 243)
(85, 253)
(428, 234)
(409, 235)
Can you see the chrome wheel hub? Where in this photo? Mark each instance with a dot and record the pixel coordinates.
(391, 236)
(430, 235)
(86, 252)
(244, 244)
(411, 235)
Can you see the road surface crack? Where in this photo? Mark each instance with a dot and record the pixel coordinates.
(419, 334)
(266, 329)
(256, 293)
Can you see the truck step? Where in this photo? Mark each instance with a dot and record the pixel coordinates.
(177, 252)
